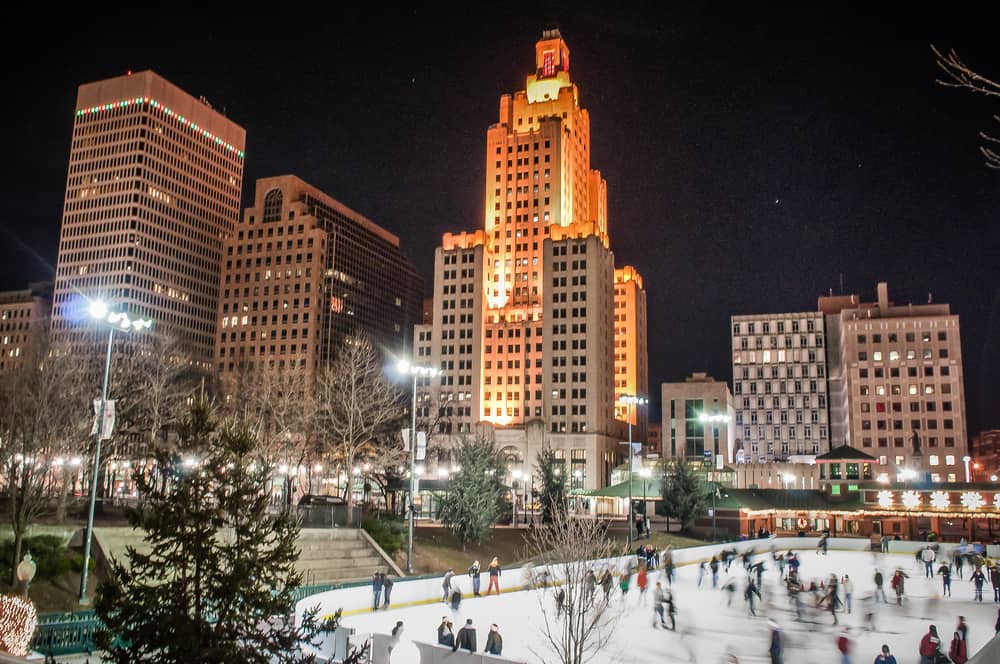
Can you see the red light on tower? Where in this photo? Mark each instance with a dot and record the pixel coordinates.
(128, 72)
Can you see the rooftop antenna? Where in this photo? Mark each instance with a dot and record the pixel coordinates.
(841, 283)
(930, 298)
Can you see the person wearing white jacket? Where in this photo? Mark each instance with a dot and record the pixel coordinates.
(848, 585)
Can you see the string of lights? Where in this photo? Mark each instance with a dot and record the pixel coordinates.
(18, 621)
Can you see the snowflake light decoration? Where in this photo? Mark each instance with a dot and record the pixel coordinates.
(972, 500)
(911, 499)
(940, 500)
(885, 498)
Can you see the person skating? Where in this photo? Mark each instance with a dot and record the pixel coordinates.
(455, 600)
(930, 646)
(749, 593)
(714, 566)
(671, 609)
(729, 587)
(959, 560)
(642, 580)
(658, 600)
(870, 603)
(978, 579)
(995, 581)
(387, 584)
(928, 556)
(879, 590)
(898, 584)
(466, 639)
(701, 572)
(376, 589)
(397, 633)
(590, 584)
(848, 586)
(606, 582)
(623, 584)
(474, 574)
(561, 598)
(821, 546)
(446, 585)
(446, 637)
(996, 627)
(958, 651)
(885, 657)
(494, 570)
(494, 642)
(945, 573)
(777, 647)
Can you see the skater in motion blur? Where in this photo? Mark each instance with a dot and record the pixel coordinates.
(777, 647)
(898, 582)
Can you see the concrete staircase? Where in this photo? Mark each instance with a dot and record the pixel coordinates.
(328, 555)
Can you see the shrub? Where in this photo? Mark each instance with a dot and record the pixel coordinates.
(387, 532)
(47, 551)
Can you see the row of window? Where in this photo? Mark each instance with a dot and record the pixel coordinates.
(910, 337)
(896, 389)
(811, 325)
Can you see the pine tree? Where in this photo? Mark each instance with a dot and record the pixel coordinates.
(685, 494)
(552, 498)
(218, 582)
(471, 505)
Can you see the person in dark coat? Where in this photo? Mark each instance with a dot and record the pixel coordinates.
(885, 657)
(978, 579)
(606, 583)
(397, 633)
(714, 565)
(376, 589)
(494, 642)
(494, 570)
(456, 598)
(466, 639)
(474, 573)
(995, 580)
(446, 637)
(386, 590)
(777, 648)
(446, 585)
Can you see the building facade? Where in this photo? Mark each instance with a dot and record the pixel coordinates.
(525, 325)
(985, 453)
(24, 314)
(903, 387)
(301, 273)
(698, 420)
(154, 184)
(780, 385)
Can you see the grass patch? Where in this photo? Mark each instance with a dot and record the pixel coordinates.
(437, 549)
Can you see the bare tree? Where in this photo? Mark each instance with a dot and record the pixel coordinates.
(36, 413)
(956, 74)
(576, 620)
(357, 407)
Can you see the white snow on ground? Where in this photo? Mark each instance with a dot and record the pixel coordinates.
(707, 628)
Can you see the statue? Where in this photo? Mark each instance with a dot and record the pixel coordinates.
(916, 443)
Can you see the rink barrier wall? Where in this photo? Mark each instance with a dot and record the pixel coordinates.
(432, 653)
(988, 654)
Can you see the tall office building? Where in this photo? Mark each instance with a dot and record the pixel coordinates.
(525, 323)
(302, 271)
(24, 315)
(903, 387)
(699, 420)
(779, 385)
(154, 184)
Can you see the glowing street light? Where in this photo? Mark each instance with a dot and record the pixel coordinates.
(632, 401)
(406, 368)
(100, 312)
(967, 459)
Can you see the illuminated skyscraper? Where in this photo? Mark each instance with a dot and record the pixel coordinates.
(536, 331)
(154, 183)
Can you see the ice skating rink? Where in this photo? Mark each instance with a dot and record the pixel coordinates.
(707, 628)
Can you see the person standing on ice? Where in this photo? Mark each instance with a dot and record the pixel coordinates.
(928, 556)
(714, 566)
(995, 580)
(959, 651)
(376, 588)
(658, 599)
(930, 646)
(387, 584)
(978, 579)
(879, 590)
(898, 583)
(945, 573)
(642, 581)
(446, 585)
(848, 586)
(494, 570)
(474, 573)
(749, 593)
(671, 609)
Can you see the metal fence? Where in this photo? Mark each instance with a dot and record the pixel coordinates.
(65, 633)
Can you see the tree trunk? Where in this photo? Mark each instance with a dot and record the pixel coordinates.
(349, 499)
(63, 497)
(18, 544)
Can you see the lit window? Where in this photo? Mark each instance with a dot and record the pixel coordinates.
(934, 460)
(949, 460)
(877, 356)
(893, 355)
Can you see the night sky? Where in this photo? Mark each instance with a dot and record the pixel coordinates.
(754, 160)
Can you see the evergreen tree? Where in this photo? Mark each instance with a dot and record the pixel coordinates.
(552, 498)
(471, 505)
(685, 493)
(218, 582)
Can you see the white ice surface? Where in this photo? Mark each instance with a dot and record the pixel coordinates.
(706, 627)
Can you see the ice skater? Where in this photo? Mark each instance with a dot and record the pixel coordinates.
(494, 571)
(658, 600)
(879, 590)
(749, 593)
(376, 589)
(642, 580)
(777, 647)
(945, 573)
(671, 609)
(387, 584)
(978, 580)
(885, 657)
(474, 574)
(729, 587)
(714, 566)
(446, 585)
(898, 584)
(844, 646)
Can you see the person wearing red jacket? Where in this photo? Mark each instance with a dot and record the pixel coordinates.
(959, 648)
(930, 646)
(844, 647)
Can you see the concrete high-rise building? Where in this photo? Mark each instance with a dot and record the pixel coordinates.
(779, 385)
(530, 317)
(302, 272)
(903, 387)
(699, 420)
(24, 315)
(154, 184)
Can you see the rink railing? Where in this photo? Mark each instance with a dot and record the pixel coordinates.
(988, 654)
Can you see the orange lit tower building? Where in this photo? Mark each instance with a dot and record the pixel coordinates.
(536, 331)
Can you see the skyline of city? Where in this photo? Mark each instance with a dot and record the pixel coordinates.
(677, 318)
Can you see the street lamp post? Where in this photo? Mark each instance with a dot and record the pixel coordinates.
(515, 475)
(415, 372)
(631, 400)
(645, 473)
(967, 459)
(120, 321)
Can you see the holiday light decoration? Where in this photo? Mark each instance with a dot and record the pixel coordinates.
(940, 500)
(885, 498)
(972, 500)
(166, 111)
(996, 500)
(910, 499)
(18, 621)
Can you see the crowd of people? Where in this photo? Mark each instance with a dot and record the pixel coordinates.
(809, 597)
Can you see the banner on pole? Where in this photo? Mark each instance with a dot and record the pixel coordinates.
(421, 445)
(406, 439)
(107, 427)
